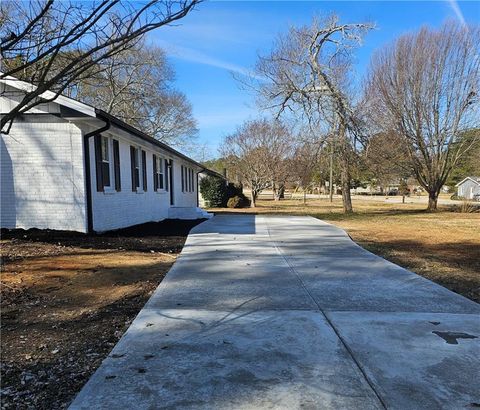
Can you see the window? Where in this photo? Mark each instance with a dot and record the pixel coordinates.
(105, 149)
(167, 167)
(158, 173)
(107, 163)
(135, 167)
(188, 179)
(183, 178)
(116, 165)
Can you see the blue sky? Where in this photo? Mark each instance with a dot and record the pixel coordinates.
(221, 37)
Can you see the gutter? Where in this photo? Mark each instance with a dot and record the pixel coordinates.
(123, 125)
(88, 177)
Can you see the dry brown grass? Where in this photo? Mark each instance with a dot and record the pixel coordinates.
(443, 246)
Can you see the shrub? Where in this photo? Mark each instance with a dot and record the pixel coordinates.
(233, 190)
(214, 191)
(238, 201)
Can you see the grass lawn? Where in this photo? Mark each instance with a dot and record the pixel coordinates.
(443, 246)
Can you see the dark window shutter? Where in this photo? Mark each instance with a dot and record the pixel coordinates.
(132, 167)
(98, 162)
(144, 170)
(116, 165)
(166, 175)
(155, 176)
(183, 180)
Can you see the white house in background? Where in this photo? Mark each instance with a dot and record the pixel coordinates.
(66, 165)
(469, 188)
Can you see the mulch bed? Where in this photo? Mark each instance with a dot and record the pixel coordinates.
(67, 298)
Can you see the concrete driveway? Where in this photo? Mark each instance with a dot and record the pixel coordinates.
(287, 313)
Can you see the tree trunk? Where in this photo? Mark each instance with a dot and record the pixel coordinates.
(345, 175)
(254, 198)
(330, 183)
(432, 201)
(304, 197)
(346, 198)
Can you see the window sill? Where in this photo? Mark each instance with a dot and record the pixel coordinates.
(109, 191)
(161, 192)
(140, 192)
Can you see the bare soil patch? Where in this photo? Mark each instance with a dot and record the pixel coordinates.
(443, 246)
(67, 298)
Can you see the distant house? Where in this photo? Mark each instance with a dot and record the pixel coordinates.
(469, 188)
(66, 165)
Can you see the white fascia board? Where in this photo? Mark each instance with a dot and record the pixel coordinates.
(61, 99)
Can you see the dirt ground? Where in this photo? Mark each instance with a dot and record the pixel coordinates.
(443, 246)
(67, 298)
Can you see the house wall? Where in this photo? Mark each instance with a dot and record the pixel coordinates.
(468, 189)
(114, 210)
(42, 175)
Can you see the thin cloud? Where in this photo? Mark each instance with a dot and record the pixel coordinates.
(195, 56)
(458, 12)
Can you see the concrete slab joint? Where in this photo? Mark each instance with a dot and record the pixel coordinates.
(287, 312)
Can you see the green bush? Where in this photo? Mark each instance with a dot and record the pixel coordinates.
(217, 193)
(238, 201)
(214, 191)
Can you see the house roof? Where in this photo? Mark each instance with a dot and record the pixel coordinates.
(82, 109)
(476, 180)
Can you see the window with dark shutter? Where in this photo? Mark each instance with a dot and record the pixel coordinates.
(144, 170)
(183, 179)
(155, 178)
(161, 181)
(98, 162)
(105, 150)
(116, 165)
(166, 173)
(135, 170)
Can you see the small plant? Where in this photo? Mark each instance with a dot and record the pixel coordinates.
(238, 201)
(467, 207)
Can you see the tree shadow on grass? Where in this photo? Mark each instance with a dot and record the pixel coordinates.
(452, 265)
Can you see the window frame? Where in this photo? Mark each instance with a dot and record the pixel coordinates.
(106, 148)
(135, 167)
(159, 174)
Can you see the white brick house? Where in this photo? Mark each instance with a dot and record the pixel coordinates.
(68, 166)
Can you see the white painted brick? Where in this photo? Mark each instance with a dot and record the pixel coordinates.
(40, 159)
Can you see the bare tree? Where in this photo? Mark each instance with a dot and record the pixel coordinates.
(135, 85)
(308, 73)
(258, 152)
(424, 87)
(52, 44)
(305, 163)
(386, 159)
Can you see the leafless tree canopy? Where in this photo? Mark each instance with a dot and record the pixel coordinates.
(259, 153)
(136, 85)
(425, 87)
(307, 75)
(53, 43)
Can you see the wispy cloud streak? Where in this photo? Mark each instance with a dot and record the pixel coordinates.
(195, 56)
(458, 12)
